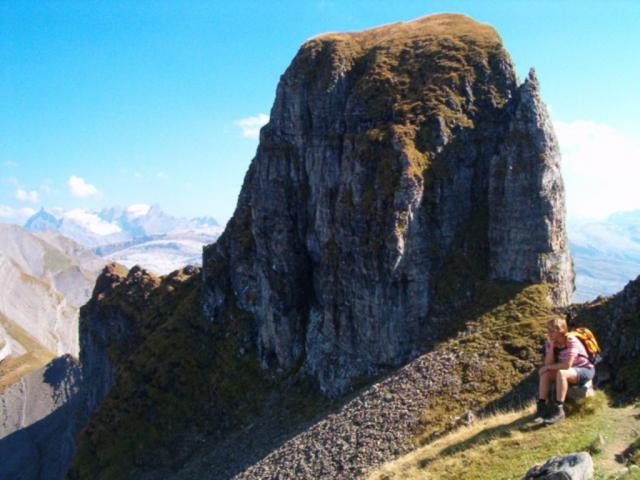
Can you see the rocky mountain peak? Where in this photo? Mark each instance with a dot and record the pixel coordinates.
(404, 174)
(43, 220)
(401, 166)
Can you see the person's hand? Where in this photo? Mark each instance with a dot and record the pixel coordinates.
(549, 343)
(543, 370)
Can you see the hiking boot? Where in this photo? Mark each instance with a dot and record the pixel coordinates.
(557, 415)
(541, 412)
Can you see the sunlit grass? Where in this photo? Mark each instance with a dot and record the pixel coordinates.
(505, 445)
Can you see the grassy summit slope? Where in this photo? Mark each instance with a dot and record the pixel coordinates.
(182, 379)
(506, 445)
(412, 86)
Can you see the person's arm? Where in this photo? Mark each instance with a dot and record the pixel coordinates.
(562, 366)
(573, 351)
(549, 357)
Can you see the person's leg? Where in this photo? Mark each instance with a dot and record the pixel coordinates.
(543, 393)
(543, 384)
(563, 379)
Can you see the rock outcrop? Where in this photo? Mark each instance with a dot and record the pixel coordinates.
(575, 466)
(401, 166)
(403, 174)
(111, 327)
(616, 323)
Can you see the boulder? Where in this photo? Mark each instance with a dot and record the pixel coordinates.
(580, 392)
(575, 466)
(575, 392)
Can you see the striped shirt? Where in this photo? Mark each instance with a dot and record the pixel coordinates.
(574, 348)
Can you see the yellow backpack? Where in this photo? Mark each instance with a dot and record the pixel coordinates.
(590, 343)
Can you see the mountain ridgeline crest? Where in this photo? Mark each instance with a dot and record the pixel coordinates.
(402, 168)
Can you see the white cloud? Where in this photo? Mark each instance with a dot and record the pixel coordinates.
(27, 212)
(250, 126)
(10, 164)
(600, 166)
(92, 222)
(162, 175)
(6, 212)
(25, 196)
(15, 215)
(137, 210)
(80, 188)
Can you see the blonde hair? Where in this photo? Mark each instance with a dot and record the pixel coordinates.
(558, 323)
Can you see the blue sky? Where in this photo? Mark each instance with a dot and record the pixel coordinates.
(114, 103)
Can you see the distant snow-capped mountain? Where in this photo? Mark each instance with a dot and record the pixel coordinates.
(139, 234)
(43, 221)
(606, 254)
(86, 228)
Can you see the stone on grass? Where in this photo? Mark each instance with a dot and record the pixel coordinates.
(575, 466)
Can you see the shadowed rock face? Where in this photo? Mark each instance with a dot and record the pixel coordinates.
(400, 166)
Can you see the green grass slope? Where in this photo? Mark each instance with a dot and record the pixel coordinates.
(186, 379)
(505, 445)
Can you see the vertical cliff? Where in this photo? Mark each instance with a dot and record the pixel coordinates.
(403, 170)
(401, 166)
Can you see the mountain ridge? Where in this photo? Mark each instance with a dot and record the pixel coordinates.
(139, 234)
(115, 224)
(391, 187)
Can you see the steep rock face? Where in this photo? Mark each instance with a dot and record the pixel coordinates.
(527, 229)
(110, 327)
(401, 166)
(158, 374)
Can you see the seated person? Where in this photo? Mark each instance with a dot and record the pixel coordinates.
(566, 362)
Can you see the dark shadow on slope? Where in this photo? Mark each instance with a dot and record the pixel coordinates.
(222, 456)
(631, 454)
(57, 374)
(41, 451)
